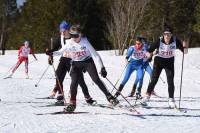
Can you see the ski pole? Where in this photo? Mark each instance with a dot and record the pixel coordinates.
(162, 80)
(119, 78)
(10, 69)
(181, 81)
(59, 84)
(133, 107)
(36, 85)
(31, 62)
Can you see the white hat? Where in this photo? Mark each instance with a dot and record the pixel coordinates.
(26, 43)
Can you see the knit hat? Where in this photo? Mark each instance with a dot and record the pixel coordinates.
(64, 26)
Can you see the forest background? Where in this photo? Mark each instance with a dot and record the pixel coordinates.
(108, 24)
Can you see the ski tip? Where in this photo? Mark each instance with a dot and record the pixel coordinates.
(62, 112)
(180, 110)
(7, 77)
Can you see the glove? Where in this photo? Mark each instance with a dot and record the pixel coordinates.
(84, 71)
(50, 60)
(103, 72)
(49, 53)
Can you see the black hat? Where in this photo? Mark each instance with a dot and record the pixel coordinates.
(139, 39)
(167, 29)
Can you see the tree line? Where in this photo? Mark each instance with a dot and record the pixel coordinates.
(108, 24)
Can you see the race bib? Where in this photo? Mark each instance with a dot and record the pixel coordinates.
(25, 52)
(78, 53)
(138, 54)
(167, 51)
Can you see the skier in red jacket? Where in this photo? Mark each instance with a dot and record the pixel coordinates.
(23, 53)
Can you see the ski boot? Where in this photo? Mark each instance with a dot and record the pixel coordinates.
(90, 101)
(51, 97)
(27, 76)
(153, 93)
(132, 91)
(112, 100)
(70, 107)
(146, 99)
(138, 95)
(116, 94)
(9, 76)
(119, 91)
(53, 94)
(60, 100)
(171, 103)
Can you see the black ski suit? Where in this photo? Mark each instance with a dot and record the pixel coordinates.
(163, 63)
(76, 75)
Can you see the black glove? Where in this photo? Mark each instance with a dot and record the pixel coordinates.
(49, 53)
(84, 70)
(50, 60)
(150, 59)
(103, 72)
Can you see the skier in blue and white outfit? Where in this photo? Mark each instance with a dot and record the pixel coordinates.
(145, 67)
(134, 60)
(81, 52)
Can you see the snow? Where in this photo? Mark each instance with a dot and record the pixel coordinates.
(20, 2)
(19, 106)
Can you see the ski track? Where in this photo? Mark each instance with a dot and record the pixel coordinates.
(19, 106)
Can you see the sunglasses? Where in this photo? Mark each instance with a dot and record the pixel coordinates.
(74, 35)
(167, 34)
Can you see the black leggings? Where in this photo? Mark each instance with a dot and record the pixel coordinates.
(168, 66)
(76, 71)
(64, 67)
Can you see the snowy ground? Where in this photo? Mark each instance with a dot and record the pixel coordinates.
(19, 106)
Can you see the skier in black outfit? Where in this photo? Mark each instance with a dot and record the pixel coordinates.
(164, 59)
(64, 67)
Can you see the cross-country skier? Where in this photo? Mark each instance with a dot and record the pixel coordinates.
(134, 60)
(146, 67)
(23, 53)
(164, 59)
(64, 67)
(81, 52)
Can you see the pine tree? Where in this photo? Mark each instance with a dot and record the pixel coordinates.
(176, 13)
(196, 27)
(8, 14)
(38, 22)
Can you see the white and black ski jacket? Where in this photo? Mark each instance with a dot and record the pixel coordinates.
(81, 51)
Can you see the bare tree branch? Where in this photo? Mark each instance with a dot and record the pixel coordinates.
(126, 17)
